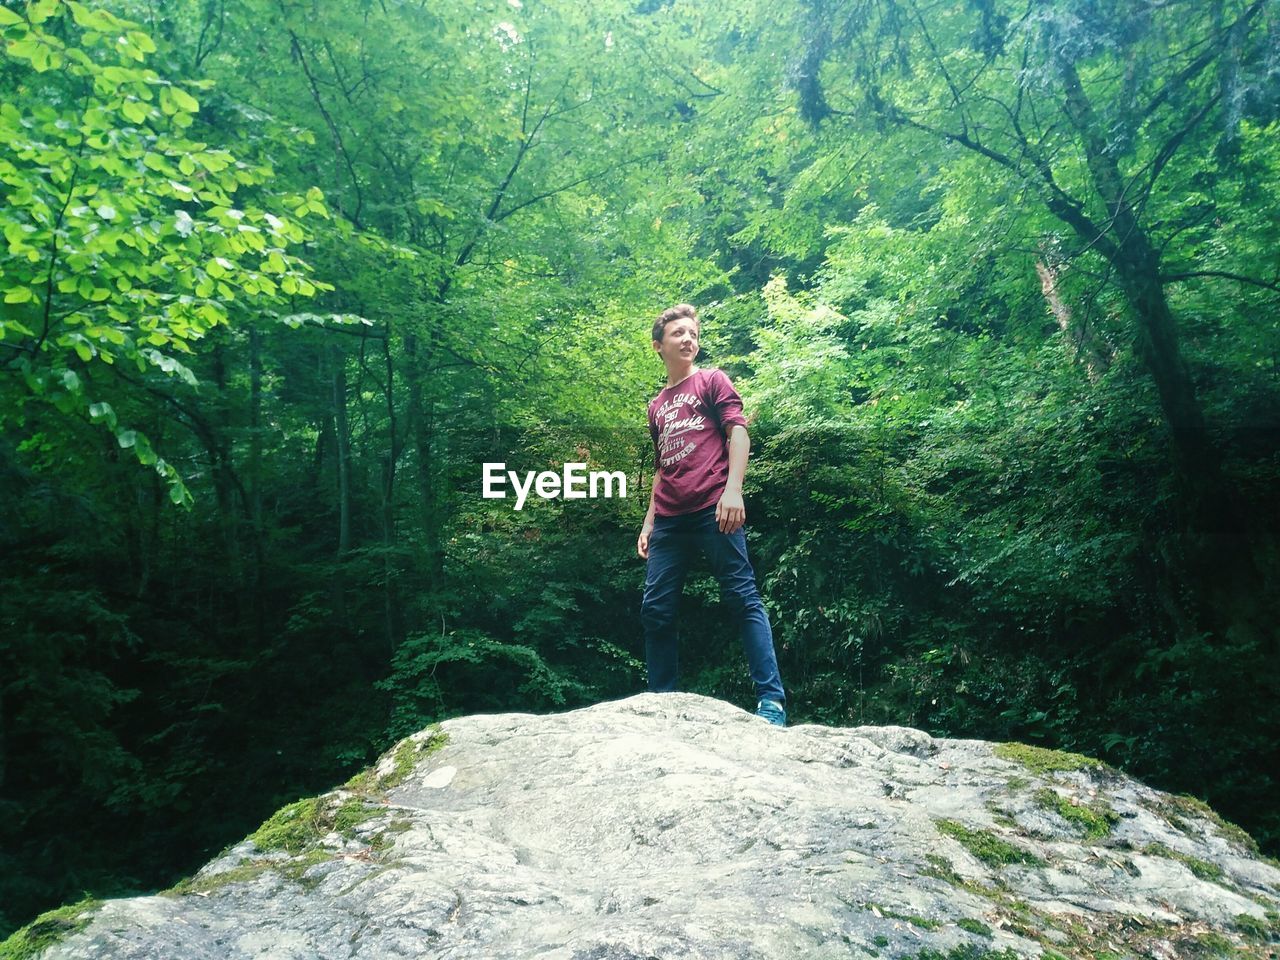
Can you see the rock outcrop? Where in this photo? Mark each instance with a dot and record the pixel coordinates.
(676, 826)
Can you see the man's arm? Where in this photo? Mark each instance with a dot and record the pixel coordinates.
(642, 544)
(731, 512)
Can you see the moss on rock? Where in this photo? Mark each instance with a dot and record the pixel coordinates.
(1213, 946)
(1095, 819)
(298, 828)
(968, 951)
(924, 923)
(351, 813)
(986, 846)
(406, 756)
(250, 869)
(1202, 869)
(1041, 761)
(1258, 928)
(48, 929)
(298, 825)
(292, 827)
(974, 926)
(243, 872)
(1176, 810)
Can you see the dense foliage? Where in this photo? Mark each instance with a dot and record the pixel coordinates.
(998, 284)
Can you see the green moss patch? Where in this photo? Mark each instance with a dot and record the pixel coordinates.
(292, 827)
(1202, 869)
(1258, 928)
(942, 869)
(249, 870)
(966, 952)
(1041, 761)
(295, 868)
(924, 923)
(48, 929)
(986, 846)
(1212, 946)
(407, 755)
(1176, 810)
(974, 926)
(303, 823)
(1003, 816)
(1096, 820)
(244, 872)
(353, 812)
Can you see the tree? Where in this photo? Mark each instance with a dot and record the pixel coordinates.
(1092, 108)
(124, 244)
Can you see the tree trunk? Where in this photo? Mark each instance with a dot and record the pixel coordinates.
(423, 429)
(255, 478)
(1095, 355)
(342, 458)
(224, 482)
(343, 444)
(390, 603)
(1218, 547)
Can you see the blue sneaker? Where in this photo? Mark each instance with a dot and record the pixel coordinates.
(772, 711)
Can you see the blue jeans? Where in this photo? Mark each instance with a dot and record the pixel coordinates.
(673, 543)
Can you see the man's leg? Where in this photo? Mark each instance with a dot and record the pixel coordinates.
(664, 579)
(729, 563)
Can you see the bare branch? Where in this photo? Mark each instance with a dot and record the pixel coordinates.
(296, 46)
(573, 183)
(1239, 278)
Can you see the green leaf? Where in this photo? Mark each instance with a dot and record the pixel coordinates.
(103, 411)
(143, 451)
(185, 101)
(8, 323)
(18, 295)
(42, 10)
(9, 17)
(142, 41)
(134, 110)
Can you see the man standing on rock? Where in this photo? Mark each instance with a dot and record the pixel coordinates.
(701, 445)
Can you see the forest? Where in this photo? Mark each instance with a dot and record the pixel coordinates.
(997, 281)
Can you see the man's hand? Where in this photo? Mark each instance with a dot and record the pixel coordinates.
(731, 512)
(642, 544)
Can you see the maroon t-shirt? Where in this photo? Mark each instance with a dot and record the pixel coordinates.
(688, 423)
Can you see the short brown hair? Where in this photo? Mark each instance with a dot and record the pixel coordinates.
(679, 312)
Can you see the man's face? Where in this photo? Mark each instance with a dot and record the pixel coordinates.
(679, 342)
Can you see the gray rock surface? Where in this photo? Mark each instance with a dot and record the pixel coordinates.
(677, 826)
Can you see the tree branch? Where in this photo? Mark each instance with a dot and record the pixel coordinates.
(1061, 204)
(566, 186)
(1172, 277)
(296, 46)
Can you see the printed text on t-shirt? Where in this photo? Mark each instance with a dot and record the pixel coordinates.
(676, 421)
